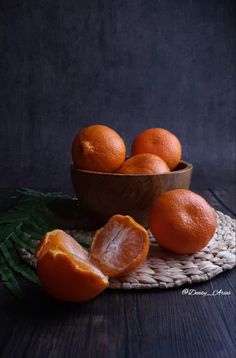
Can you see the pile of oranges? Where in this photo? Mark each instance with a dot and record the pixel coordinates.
(180, 220)
(99, 148)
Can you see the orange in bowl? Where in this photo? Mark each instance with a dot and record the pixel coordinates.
(144, 163)
(98, 148)
(161, 142)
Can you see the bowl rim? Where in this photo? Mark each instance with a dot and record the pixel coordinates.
(188, 168)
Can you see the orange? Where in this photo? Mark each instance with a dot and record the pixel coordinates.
(98, 148)
(58, 239)
(65, 271)
(120, 246)
(161, 142)
(145, 163)
(182, 221)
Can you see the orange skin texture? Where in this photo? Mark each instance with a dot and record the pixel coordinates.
(120, 246)
(144, 163)
(161, 142)
(98, 148)
(182, 221)
(65, 271)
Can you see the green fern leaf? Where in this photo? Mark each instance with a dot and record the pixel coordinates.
(7, 231)
(16, 263)
(23, 226)
(24, 242)
(9, 279)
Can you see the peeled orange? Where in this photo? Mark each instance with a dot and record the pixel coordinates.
(120, 246)
(65, 271)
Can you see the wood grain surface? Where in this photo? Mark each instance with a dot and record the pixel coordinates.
(143, 324)
(112, 193)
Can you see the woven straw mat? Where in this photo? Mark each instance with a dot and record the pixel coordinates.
(164, 269)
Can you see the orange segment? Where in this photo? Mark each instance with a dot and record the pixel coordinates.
(59, 239)
(120, 246)
(65, 271)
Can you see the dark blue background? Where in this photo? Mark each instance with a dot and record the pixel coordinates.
(128, 64)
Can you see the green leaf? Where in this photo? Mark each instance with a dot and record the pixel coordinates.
(16, 263)
(33, 230)
(9, 279)
(30, 193)
(24, 240)
(6, 232)
(23, 226)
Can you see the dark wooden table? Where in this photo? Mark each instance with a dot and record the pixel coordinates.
(148, 323)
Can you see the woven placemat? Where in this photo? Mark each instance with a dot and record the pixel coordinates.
(164, 269)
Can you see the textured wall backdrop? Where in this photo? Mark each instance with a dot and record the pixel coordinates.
(129, 64)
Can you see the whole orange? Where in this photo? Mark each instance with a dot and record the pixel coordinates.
(182, 221)
(98, 148)
(144, 163)
(161, 142)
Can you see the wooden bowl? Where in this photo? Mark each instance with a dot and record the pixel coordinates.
(106, 194)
